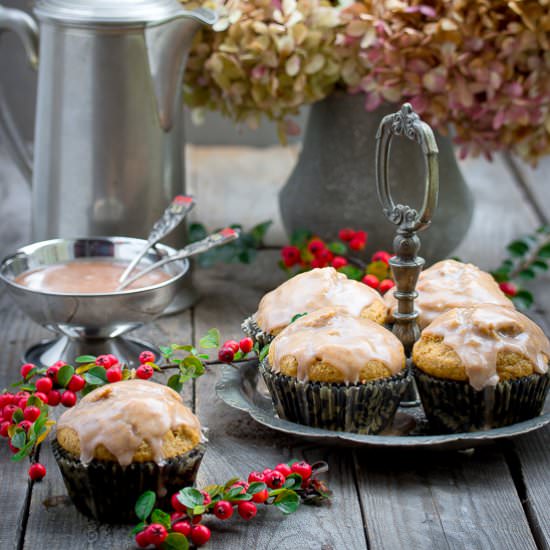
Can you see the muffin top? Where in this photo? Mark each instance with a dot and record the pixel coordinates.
(321, 287)
(130, 421)
(449, 284)
(331, 345)
(482, 344)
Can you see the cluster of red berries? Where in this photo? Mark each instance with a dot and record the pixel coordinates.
(510, 289)
(231, 350)
(222, 501)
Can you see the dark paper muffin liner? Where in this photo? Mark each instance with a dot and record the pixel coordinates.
(107, 491)
(360, 408)
(251, 328)
(454, 407)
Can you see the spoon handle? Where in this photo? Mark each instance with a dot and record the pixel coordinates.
(172, 216)
(212, 241)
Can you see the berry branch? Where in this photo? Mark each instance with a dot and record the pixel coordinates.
(285, 487)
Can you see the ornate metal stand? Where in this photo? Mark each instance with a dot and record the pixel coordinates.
(406, 265)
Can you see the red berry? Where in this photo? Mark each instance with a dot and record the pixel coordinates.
(385, 285)
(315, 246)
(246, 345)
(284, 469)
(7, 412)
(291, 255)
(25, 425)
(37, 471)
(510, 289)
(4, 427)
(381, 256)
(256, 476)
(357, 244)
(260, 496)
(146, 357)
(233, 345)
(59, 364)
(196, 519)
(22, 403)
(242, 484)
(302, 468)
(176, 504)
(13, 449)
(114, 374)
(44, 384)
(68, 399)
(54, 398)
(223, 509)
(338, 262)
(176, 516)
(142, 539)
(318, 263)
(183, 527)
(144, 372)
(76, 383)
(207, 499)
(22, 394)
(200, 535)
(275, 479)
(247, 510)
(346, 234)
(106, 361)
(361, 235)
(226, 355)
(51, 373)
(7, 399)
(371, 280)
(26, 368)
(31, 413)
(156, 533)
(42, 396)
(267, 471)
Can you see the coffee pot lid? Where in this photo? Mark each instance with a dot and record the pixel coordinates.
(121, 12)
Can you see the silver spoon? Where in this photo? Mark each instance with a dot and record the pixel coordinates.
(172, 216)
(212, 241)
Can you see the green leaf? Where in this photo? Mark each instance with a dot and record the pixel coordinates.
(198, 510)
(19, 438)
(300, 237)
(99, 372)
(544, 252)
(175, 383)
(192, 361)
(23, 453)
(64, 374)
(17, 416)
(238, 498)
(340, 249)
(175, 541)
(158, 516)
(83, 359)
(297, 316)
(540, 265)
(518, 248)
(166, 351)
(211, 339)
(144, 505)
(183, 348)
(293, 480)
(93, 380)
(352, 272)
(230, 482)
(259, 231)
(32, 372)
(256, 487)
(263, 353)
(523, 299)
(288, 501)
(197, 232)
(527, 273)
(501, 275)
(39, 424)
(190, 497)
(138, 528)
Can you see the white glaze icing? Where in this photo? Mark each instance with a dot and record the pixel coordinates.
(477, 334)
(123, 415)
(449, 284)
(334, 336)
(306, 292)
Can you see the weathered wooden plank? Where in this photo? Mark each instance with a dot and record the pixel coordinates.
(53, 519)
(238, 445)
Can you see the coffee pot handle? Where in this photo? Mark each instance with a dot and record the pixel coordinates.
(26, 28)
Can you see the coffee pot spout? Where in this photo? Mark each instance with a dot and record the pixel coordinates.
(168, 44)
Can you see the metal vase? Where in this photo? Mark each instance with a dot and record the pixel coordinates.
(333, 184)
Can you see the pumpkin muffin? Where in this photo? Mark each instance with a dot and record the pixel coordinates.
(123, 439)
(481, 367)
(450, 284)
(332, 370)
(307, 292)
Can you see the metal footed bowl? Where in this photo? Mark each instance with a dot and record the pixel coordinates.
(245, 390)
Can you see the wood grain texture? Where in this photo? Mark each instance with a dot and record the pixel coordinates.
(53, 519)
(238, 445)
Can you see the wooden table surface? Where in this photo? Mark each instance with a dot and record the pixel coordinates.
(496, 497)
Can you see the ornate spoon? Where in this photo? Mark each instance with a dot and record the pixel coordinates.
(212, 241)
(172, 216)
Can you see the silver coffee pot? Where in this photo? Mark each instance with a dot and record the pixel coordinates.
(108, 150)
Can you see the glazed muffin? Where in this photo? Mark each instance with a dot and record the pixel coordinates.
(450, 284)
(123, 439)
(307, 292)
(335, 371)
(481, 367)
